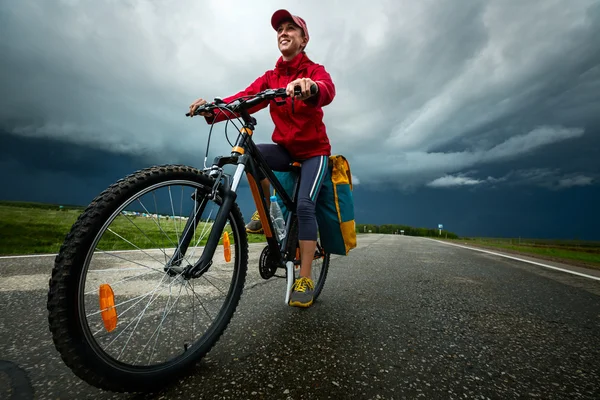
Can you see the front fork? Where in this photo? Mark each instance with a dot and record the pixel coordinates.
(228, 195)
(174, 264)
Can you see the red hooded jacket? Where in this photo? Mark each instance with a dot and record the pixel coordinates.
(302, 133)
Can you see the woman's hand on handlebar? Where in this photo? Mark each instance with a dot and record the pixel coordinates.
(301, 89)
(304, 84)
(195, 105)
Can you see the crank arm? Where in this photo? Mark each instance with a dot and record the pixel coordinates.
(289, 267)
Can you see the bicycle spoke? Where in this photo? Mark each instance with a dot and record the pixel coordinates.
(187, 258)
(204, 276)
(122, 280)
(157, 224)
(216, 277)
(125, 259)
(158, 218)
(174, 319)
(144, 233)
(141, 297)
(159, 327)
(199, 301)
(141, 315)
(196, 225)
(204, 230)
(132, 321)
(173, 215)
(138, 248)
(193, 313)
(181, 208)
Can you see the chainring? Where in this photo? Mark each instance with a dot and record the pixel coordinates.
(266, 266)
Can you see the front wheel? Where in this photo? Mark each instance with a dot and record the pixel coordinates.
(121, 312)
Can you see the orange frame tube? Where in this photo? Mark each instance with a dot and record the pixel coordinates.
(259, 205)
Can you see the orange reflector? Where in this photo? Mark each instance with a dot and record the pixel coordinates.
(226, 247)
(107, 307)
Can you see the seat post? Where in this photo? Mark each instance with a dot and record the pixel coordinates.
(295, 166)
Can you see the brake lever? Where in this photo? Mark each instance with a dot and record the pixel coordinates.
(298, 92)
(278, 100)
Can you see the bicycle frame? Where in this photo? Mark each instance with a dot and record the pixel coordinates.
(249, 160)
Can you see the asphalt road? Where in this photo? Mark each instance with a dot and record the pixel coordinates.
(400, 317)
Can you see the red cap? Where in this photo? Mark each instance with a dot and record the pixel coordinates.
(280, 15)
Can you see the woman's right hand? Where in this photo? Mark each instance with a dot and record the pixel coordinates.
(195, 105)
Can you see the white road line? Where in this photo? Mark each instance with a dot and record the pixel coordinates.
(28, 256)
(115, 251)
(521, 259)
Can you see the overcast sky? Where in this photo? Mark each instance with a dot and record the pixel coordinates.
(465, 102)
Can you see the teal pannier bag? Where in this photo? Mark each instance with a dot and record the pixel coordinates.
(334, 208)
(287, 180)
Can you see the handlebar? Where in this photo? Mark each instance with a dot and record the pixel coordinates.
(246, 102)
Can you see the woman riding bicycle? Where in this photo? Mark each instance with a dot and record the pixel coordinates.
(299, 135)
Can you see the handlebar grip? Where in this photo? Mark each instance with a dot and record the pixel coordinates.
(187, 114)
(197, 112)
(313, 89)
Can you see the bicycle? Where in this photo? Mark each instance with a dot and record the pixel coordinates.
(95, 309)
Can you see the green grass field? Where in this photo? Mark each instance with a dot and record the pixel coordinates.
(33, 228)
(36, 228)
(584, 253)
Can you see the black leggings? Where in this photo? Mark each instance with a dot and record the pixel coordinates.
(311, 178)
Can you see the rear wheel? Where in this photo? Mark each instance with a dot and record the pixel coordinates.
(121, 318)
(320, 267)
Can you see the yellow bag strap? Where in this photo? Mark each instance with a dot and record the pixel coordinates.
(341, 170)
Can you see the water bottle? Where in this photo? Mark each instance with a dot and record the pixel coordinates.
(277, 218)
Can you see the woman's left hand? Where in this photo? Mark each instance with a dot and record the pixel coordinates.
(305, 84)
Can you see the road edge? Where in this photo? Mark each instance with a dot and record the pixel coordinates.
(570, 269)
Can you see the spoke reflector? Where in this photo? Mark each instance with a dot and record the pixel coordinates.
(227, 247)
(107, 306)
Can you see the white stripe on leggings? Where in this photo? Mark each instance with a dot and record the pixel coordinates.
(312, 191)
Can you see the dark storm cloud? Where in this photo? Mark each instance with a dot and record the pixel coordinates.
(427, 92)
(55, 171)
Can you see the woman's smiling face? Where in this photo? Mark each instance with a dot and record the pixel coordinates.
(290, 39)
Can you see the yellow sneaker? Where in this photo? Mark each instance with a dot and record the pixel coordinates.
(302, 293)
(254, 226)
